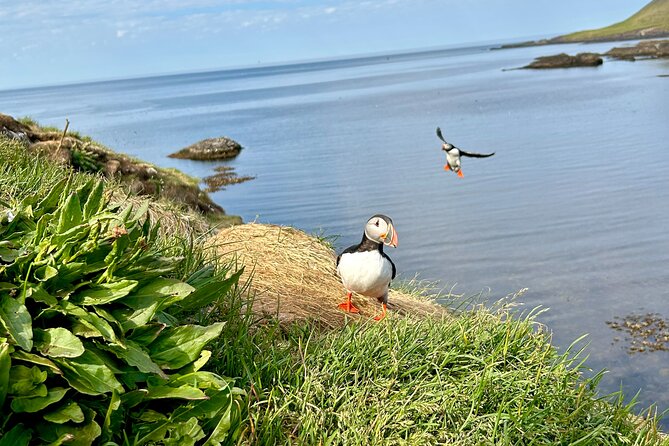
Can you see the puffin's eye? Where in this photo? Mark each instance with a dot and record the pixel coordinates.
(376, 223)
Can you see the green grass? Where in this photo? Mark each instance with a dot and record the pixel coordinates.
(653, 15)
(482, 378)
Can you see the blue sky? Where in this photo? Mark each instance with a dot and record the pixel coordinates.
(57, 41)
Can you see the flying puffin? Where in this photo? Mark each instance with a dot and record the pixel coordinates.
(453, 155)
(365, 268)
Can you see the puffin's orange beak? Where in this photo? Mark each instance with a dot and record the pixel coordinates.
(393, 241)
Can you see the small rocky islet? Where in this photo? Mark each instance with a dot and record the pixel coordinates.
(650, 49)
(221, 148)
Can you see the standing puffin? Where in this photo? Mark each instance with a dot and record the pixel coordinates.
(365, 268)
(453, 155)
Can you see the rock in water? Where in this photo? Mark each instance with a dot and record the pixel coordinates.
(564, 60)
(210, 149)
(651, 49)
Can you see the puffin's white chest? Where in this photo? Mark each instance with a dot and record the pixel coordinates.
(367, 273)
(453, 158)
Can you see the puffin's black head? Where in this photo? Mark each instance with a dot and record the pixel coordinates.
(380, 229)
(446, 147)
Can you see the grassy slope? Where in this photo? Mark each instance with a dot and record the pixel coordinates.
(653, 15)
(483, 378)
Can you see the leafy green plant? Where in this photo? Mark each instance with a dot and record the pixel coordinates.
(90, 350)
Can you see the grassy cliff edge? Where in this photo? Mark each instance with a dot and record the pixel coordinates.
(484, 376)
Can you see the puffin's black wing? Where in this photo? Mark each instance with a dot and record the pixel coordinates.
(391, 263)
(476, 155)
(440, 135)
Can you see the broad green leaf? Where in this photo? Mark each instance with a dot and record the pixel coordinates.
(201, 380)
(89, 374)
(134, 355)
(105, 292)
(8, 255)
(75, 435)
(196, 409)
(58, 343)
(133, 398)
(186, 433)
(185, 392)
(151, 416)
(146, 334)
(26, 381)
(95, 201)
(76, 234)
(131, 319)
(172, 433)
(165, 290)
(41, 227)
(90, 319)
(70, 272)
(220, 424)
(70, 214)
(35, 404)
(208, 293)
(49, 203)
(5, 365)
(46, 272)
(119, 247)
(83, 329)
(18, 436)
(177, 346)
(205, 355)
(7, 286)
(36, 359)
(39, 295)
(15, 318)
(67, 412)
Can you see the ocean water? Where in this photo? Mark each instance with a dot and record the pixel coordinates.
(574, 205)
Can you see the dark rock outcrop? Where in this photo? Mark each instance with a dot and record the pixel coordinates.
(564, 60)
(651, 49)
(210, 149)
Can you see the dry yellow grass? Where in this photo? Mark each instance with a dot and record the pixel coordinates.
(293, 276)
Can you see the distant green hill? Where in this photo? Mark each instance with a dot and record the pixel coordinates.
(651, 21)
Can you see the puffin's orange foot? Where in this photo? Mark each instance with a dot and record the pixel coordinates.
(382, 315)
(348, 307)
(447, 167)
(460, 174)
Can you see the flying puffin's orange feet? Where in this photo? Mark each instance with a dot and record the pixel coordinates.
(348, 307)
(461, 175)
(382, 315)
(447, 167)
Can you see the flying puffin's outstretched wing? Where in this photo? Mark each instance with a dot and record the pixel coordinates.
(476, 155)
(440, 135)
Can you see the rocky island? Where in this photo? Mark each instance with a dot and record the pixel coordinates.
(650, 49)
(210, 149)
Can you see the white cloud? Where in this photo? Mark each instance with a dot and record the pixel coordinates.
(121, 32)
(329, 10)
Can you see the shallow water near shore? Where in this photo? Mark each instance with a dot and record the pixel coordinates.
(573, 206)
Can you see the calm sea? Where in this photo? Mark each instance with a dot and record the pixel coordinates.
(573, 206)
